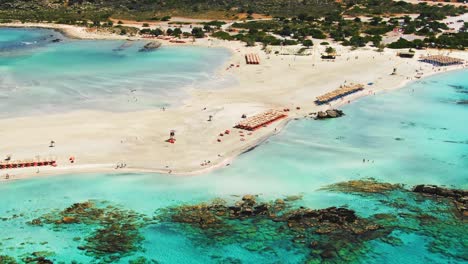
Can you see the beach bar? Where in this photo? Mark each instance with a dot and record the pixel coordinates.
(257, 121)
(440, 60)
(26, 163)
(339, 93)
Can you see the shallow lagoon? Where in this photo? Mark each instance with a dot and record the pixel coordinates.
(105, 75)
(414, 135)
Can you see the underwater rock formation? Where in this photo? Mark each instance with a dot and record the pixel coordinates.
(116, 231)
(459, 197)
(322, 232)
(417, 212)
(333, 113)
(7, 260)
(362, 186)
(150, 46)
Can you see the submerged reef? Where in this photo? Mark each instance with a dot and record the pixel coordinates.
(334, 233)
(330, 235)
(363, 186)
(342, 234)
(7, 260)
(458, 197)
(115, 231)
(151, 46)
(427, 210)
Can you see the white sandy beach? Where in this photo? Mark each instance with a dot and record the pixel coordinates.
(99, 140)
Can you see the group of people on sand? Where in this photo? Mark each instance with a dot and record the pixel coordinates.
(205, 163)
(120, 165)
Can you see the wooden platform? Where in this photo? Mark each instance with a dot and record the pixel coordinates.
(257, 121)
(252, 59)
(339, 93)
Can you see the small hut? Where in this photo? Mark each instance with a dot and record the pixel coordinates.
(328, 56)
(406, 54)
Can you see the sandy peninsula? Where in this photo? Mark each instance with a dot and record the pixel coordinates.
(100, 141)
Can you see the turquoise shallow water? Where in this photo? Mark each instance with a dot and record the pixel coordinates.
(414, 135)
(105, 75)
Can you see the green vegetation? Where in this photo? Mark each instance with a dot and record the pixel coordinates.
(198, 32)
(295, 20)
(308, 43)
(155, 32)
(78, 10)
(222, 35)
(349, 32)
(452, 41)
(382, 7)
(330, 50)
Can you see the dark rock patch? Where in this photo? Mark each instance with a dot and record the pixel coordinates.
(151, 46)
(332, 113)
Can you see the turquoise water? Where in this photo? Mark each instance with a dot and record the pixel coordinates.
(414, 135)
(105, 75)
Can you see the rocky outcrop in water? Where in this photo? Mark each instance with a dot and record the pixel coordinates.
(151, 46)
(116, 231)
(323, 231)
(332, 113)
(7, 260)
(362, 186)
(459, 197)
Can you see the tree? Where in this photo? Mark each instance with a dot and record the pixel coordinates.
(330, 50)
(197, 32)
(207, 28)
(157, 32)
(177, 32)
(222, 35)
(250, 42)
(381, 47)
(308, 43)
(375, 21)
(302, 16)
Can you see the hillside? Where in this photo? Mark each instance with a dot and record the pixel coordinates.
(154, 9)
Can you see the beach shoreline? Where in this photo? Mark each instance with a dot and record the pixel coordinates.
(260, 88)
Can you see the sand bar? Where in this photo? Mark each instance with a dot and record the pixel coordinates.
(136, 141)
